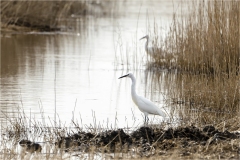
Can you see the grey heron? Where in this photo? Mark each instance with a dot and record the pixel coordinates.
(154, 52)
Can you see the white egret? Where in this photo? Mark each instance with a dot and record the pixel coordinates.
(144, 105)
(152, 51)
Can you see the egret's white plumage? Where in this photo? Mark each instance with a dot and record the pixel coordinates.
(144, 105)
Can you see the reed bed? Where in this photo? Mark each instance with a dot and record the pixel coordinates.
(39, 14)
(50, 15)
(195, 99)
(207, 40)
(204, 47)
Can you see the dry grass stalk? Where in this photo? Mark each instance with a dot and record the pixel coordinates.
(39, 14)
(204, 45)
(207, 41)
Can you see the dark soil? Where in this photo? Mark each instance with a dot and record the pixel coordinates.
(147, 139)
(30, 146)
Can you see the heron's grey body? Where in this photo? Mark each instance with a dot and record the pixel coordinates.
(152, 51)
(144, 105)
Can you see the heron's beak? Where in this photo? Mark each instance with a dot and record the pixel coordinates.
(142, 38)
(123, 76)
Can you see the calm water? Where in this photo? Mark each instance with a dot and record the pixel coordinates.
(75, 72)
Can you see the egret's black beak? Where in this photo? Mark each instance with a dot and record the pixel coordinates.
(123, 76)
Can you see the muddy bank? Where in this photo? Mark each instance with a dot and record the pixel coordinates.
(189, 141)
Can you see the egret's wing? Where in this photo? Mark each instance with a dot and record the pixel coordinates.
(150, 107)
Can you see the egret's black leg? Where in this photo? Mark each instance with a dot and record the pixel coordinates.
(145, 119)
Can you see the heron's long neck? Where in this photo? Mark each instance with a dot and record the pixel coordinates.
(146, 45)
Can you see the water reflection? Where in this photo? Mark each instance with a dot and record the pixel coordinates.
(74, 74)
(57, 73)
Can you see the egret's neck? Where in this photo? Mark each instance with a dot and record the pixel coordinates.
(133, 87)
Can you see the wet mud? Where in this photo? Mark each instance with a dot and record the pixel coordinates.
(147, 141)
(30, 146)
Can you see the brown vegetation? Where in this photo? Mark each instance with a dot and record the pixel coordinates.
(38, 14)
(204, 46)
(145, 142)
(207, 39)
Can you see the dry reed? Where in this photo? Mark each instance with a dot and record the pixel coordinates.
(208, 39)
(204, 46)
(39, 14)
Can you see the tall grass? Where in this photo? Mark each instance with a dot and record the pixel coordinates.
(208, 39)
(211, 99)
(39, 14)
(205, 48)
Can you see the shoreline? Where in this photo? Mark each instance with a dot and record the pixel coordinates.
(186, 141)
